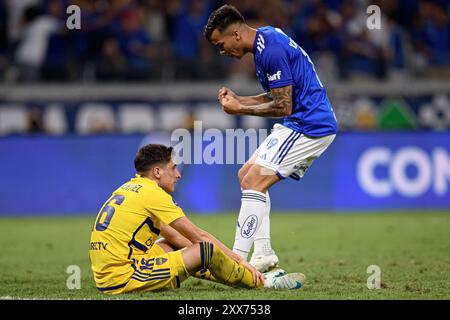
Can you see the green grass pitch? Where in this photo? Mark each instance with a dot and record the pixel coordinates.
(332, 250)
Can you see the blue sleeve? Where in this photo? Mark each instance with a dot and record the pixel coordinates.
(275, 62)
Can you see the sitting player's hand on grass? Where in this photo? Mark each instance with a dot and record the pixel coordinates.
(258, 277)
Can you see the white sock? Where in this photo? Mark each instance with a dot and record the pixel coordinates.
(262, 235)
(253, 210)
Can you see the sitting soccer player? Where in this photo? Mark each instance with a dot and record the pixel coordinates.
(126, 257)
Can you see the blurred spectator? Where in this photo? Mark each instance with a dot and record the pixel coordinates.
(98, 18)
(112, 65)
(314, 27)
(15, 12)
(316, 31)
(250, 9)
(32, 48)
(156, 20)
(431, 36)
(162, 39)
(136, 45)
(363, 55)
(55, 66)
(3, 40)
(188, 19)
(396, 49)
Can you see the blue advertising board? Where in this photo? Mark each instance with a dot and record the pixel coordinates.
(44, 175)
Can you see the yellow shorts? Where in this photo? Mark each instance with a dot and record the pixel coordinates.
(156, 270)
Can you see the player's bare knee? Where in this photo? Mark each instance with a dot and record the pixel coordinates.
(191, 259)
(241, 173)
(248, 182)
(259, 179)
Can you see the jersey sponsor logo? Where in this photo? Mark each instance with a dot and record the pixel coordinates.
(260, 44)
(249, 226)
(275, 76)
(98, 245)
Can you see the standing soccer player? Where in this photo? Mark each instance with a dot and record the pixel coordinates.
(293, 92)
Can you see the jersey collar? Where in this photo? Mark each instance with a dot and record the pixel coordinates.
(145, 179)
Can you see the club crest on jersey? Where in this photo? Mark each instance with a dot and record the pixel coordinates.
(275, 76)
(160, 261)
(249, 226)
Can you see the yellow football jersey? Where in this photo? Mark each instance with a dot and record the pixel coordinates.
(126, 228)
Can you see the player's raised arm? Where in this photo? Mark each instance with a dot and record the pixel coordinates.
(246, 100)
(279, 106)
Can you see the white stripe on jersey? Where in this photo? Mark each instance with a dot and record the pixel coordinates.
(260, 44)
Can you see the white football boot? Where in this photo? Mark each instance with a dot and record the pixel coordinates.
(264, 262)
(286, 281)
(274, 273)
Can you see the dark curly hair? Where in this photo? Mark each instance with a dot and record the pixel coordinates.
(150, 155)
(221, 18)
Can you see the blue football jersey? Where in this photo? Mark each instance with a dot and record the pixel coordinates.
(280, 62)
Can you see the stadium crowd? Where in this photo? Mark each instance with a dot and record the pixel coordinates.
(158, 40)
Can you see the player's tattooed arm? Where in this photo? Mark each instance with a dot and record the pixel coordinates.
(279, 106)
(255, 100)
(245, 100)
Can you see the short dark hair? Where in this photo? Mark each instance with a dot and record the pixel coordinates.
(152, 154)
(221, 18)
